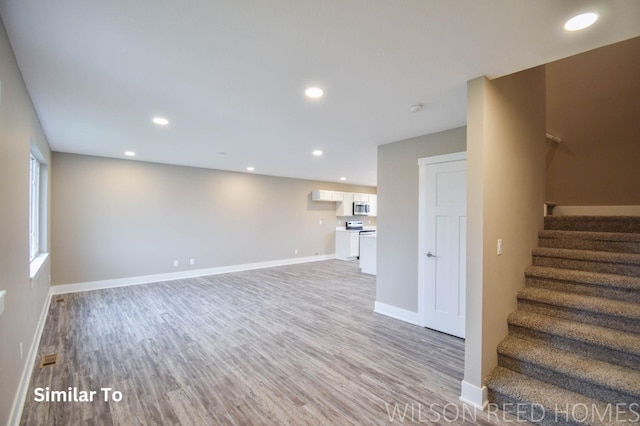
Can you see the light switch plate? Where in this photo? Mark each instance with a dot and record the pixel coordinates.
(2, 294)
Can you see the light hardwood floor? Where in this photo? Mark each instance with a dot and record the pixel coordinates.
(289, 345)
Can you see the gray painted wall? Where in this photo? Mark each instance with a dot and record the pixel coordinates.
(121, 218)
(24, 303)
(397, 274)
(505, 197)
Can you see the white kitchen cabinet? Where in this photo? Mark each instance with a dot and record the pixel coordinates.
(368, 253)
(345, 208)
(337, 196)
(344, 201)
(373, 205)
(347, 244)
(325, 195)
(321, 195)
(354, 244)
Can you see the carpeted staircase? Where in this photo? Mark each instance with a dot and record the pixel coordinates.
(573, 349)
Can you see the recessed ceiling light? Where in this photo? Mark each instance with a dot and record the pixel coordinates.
(313, 92)
(130, 153)
(317, 153)
(250, 169)
(160, 121)
(580, 22)
(343, 178)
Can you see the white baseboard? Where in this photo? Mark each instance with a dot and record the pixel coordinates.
(596, 211)
(474, 396)
(397, 313)
(23, 387)
(147, 279)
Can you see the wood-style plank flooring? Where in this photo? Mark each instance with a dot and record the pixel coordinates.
(288, 345)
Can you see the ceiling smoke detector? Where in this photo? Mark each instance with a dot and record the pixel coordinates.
(416, 107)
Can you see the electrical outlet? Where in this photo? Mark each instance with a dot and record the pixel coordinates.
(21, 352)
(499, 246)
(295, 251)
(320, 221)
(192, 261)
(176, 263)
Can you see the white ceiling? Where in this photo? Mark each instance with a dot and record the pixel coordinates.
(230, 75)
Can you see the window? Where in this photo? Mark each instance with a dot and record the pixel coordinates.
(34, 208)
(38, 172)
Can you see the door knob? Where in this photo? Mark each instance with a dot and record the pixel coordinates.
(429, 254)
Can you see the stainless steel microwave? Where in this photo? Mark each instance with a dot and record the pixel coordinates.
(361, 208)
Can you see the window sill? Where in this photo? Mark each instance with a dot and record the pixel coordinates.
(36, 264)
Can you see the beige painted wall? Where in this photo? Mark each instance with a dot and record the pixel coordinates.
(505, 187)
(397, 239)
(593, 104)
(120, 218)
(23, 305)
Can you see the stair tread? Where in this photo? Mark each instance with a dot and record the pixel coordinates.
(573, 366)
(591, 235)
(592, 304)
(592, 334)
(588, 255)
(585, 277)
(525, 389)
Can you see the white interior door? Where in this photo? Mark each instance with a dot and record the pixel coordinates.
(443, 236)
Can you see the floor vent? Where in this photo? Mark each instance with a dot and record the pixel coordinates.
(60, 300)
(49, 360)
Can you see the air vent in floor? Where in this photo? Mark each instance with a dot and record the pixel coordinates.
(49, 360)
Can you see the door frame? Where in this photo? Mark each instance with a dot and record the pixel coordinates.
(422, 215)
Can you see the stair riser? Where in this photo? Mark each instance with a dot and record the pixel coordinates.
(609, 321)
(631, 270)
(630, 295)
(594, 245)
(528, 411)
(592, 224)
(577, 347)
(574, 384)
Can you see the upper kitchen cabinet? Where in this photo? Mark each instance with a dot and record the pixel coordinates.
(344, 201)
(345, 208)
(373, 205)
(324, 195)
